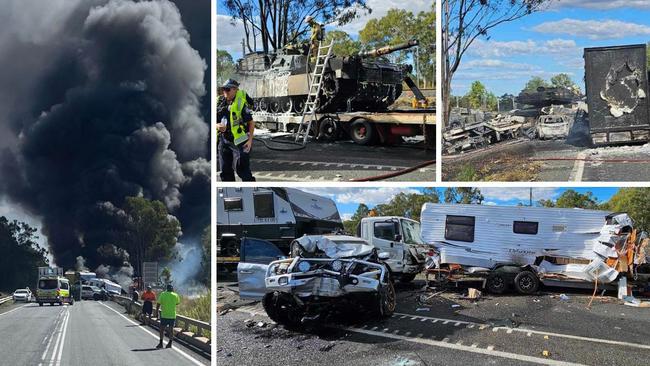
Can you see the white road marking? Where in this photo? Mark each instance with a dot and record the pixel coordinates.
(49, 343)
(489, 348)
(12, 310)
(578, 168)
(60, 340)
(156, 336)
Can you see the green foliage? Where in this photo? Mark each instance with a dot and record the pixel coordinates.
(572, 199)
(19, 255)
(468, 173)
(196, 308)
(225, 66)
(343, 45)
(479, 97)
(149, 232)
(634, 201)
(564, 80)
(464, 195)
(350, 226)
(166, 275)
(534, 83)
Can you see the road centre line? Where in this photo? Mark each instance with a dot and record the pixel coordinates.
(49, 342)
(156, 336)
(525, 330)
(58, 347)
(512, 356)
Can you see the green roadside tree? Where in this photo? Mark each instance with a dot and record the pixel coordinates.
(635, 202)
(20, 255)
(225, 66)
(572, 199)
(343, 45)
(534, 83)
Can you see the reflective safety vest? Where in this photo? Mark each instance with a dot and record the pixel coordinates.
(237, 127)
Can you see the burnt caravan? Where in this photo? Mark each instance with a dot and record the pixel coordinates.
(278, 215)
(616, 82)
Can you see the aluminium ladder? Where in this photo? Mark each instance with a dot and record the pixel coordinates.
(315, 82)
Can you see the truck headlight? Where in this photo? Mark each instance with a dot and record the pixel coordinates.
(304, 266)
(337, 265)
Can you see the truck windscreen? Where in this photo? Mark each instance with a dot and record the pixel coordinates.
(411, 230)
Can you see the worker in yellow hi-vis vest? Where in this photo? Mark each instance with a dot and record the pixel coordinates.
(235, 128)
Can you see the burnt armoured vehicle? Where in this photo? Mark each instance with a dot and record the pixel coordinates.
(616, 81)
(547, 96)
(279, 82)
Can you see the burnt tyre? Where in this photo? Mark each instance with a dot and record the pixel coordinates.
(282, 309)
(527, 283)
(328, 130)
(275, 106)
(362, 132)
(286, 105)
(496, 283)
(386, 300)
(406, 277)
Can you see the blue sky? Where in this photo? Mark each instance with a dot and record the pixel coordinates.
(348, 199)
(229, 37)
(550, 42)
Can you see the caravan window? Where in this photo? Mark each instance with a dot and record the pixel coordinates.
(233, 204)
(385, 230)
(263, 203)
(460, 228)
(525, 227)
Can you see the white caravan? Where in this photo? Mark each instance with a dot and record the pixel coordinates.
(278, 215)
(519, 245)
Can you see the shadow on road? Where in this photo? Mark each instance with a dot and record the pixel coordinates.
(145, 349)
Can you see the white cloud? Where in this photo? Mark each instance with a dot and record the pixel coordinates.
(495, 49)
(369, 196)
(380, 8)
(496, 64)
(601, 4)
(593, 29)
(521, 194)
(346, 216)
(230, 35)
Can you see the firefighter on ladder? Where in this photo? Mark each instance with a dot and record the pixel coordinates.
(317, 35)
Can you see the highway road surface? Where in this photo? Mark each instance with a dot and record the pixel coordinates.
(87, 333)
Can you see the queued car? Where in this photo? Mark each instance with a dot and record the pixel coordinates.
(326, 275)
(23, 294)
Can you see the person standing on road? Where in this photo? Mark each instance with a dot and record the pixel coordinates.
(236, 129)
(168, 300)
(135, 295)
(148, 297)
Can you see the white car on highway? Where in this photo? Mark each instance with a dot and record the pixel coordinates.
(23, 294)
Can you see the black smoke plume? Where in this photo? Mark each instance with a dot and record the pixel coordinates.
(100, 100)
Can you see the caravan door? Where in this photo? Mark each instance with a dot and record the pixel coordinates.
(255, 256)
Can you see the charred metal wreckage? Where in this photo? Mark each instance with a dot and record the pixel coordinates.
(325, 276)
(279, 82)
(615, 109)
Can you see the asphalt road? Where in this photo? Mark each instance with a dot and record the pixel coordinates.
(340, 161)
(87, 333)
(561, 162)
(500, 330)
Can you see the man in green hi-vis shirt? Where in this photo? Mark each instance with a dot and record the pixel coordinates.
(168, 300)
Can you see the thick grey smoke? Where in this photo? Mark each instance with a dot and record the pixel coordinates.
(99, 100)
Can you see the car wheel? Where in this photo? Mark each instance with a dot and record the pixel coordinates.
(61, 303)
(96, 297)
(282, 309)
(496, 283)
(526, 282)
(387, 300)
(40, 304)
(406, 277)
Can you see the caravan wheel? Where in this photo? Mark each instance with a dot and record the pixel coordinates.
(526, 283)
(496, 283)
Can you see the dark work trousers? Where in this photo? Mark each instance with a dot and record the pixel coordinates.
(234, 159)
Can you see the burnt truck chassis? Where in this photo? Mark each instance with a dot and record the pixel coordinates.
(322, 293)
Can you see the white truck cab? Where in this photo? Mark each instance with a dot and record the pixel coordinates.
(400, 237)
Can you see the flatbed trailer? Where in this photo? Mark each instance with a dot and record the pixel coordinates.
(363, 128)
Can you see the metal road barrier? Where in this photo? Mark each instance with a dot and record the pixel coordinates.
(5, 299)
(195, 332)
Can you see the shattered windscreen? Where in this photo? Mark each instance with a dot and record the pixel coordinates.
(411, 230)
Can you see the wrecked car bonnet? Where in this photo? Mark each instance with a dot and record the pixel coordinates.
(336, 246)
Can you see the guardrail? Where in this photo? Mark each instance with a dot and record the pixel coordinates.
(5, 299)
(192, 331)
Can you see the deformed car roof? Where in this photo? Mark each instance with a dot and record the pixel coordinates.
(336, 246)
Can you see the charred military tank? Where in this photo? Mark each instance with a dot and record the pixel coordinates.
(365, 82)
(547, 96)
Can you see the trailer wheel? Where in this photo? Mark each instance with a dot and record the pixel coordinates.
(496, 283)
(230, 248)
(328, 130)
(362, 132)
(526, 282)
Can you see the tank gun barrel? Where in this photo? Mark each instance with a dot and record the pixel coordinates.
(388, 49)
